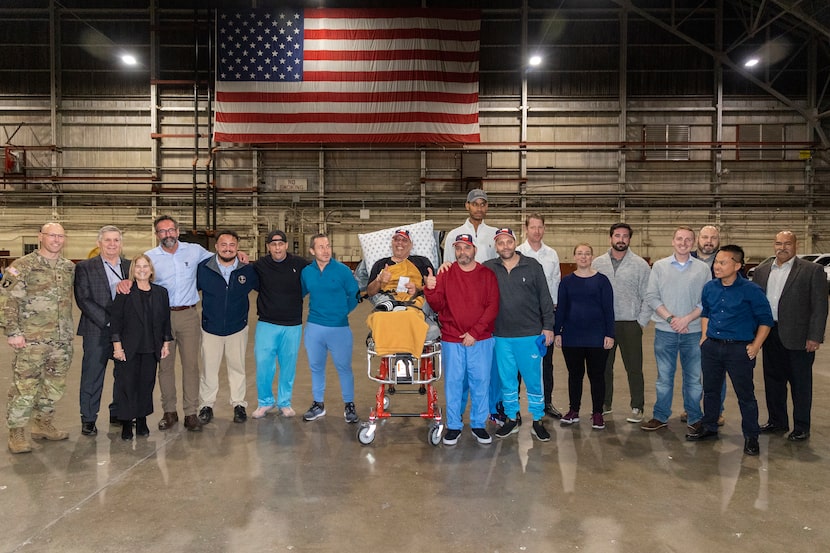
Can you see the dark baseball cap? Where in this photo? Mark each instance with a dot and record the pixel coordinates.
(276, 236)
(464, 239)
(504, 231)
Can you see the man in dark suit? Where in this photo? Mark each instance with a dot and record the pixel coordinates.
(797, 292)
(95, 282)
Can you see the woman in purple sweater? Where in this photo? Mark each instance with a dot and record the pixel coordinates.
(584, 329)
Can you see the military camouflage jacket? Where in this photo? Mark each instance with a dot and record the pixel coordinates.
(37, 299)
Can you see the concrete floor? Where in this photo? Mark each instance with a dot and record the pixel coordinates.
(280, 484)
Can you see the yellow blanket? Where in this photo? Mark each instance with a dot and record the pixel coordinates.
(398, 331)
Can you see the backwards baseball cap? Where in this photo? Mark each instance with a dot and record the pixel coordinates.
(476, 194)
(402, 232)
(504, 231)
(464, 239)
(276, 235)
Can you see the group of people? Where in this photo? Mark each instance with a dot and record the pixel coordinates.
(502, 307)
(141, 312)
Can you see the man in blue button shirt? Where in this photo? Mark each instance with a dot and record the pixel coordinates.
(736, 319)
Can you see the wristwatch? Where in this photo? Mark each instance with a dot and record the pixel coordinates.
(669, 319)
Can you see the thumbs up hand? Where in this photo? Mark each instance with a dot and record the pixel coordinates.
(430, 281)
(385, 276)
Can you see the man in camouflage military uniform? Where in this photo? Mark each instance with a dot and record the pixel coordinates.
(38, 318)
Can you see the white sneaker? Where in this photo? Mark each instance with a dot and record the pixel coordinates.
(636, 415)
(260, 412)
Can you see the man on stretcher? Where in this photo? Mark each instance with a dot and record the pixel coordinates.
(400, 281)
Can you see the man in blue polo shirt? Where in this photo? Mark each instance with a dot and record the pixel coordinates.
(735, 320)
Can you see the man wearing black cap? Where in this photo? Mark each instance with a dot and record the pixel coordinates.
(474, 225)
(279, 329)
(525, 316)
(466, 297)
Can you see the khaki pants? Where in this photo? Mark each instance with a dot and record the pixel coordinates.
(232, 348)
(187, 335)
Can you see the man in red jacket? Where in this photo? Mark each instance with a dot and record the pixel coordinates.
(466, 298)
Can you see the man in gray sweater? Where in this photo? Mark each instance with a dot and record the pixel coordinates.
(674, 293)
(628, 273)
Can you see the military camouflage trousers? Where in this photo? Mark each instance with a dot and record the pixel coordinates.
(38, 381)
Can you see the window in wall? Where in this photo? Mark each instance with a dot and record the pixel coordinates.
(666, 142)
(762, 141)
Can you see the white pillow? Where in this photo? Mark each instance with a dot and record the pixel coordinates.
(377, 245)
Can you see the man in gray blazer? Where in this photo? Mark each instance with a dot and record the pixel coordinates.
(95, 282)
(797, 292)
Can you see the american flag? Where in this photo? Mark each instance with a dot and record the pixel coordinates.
(347, 76)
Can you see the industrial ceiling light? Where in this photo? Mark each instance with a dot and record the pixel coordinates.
(751, 62)
(535, 60)
(128, 59)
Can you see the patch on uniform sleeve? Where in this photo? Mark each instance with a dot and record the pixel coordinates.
(13, 271)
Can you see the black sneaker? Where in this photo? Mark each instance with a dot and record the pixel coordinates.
(314, 412)
(349, 413)
(510, 426)
(205, 414)
(540, 431)
(239, 414)
(451, 437)
(482, 436)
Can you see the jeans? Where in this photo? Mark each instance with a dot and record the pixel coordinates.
(667, 347)
(276, 344)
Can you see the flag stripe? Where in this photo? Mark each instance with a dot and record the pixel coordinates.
(347, 75)
(347, 138)
(377, 55)
(345, 102)
(347, 117)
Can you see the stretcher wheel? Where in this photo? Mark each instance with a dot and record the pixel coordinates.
(386, 402)
(366, 434)
(434, 436)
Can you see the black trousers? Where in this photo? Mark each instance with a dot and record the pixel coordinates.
(135, 379)
(578, 360)
(784, 366)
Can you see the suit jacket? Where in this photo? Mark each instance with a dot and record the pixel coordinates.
(128, 319)
(802, 308)
(92, 294)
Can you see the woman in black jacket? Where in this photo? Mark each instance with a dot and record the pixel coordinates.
(140, 328)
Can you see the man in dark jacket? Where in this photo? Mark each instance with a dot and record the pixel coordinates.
(95, 282)
(524, 330)
(797, 293)
(225, 283)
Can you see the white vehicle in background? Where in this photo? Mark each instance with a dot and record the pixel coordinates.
(824, 261)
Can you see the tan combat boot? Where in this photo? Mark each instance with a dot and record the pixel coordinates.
(18, 442)
(45, 430)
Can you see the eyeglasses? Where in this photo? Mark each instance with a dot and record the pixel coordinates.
(54, 235)
(166, 231)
